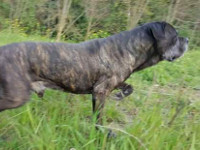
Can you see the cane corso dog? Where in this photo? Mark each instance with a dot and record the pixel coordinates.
(94, 67)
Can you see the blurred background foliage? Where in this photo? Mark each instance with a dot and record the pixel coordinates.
(79, 20)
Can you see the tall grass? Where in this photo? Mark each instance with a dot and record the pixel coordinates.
(163, 113)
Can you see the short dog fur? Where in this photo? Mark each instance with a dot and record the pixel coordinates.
(94, 67)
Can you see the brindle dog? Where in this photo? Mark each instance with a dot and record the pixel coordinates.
(93, 67)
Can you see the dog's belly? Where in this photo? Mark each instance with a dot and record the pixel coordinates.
(81, 84)
(70, 81)
(70, 78)
(77, 88)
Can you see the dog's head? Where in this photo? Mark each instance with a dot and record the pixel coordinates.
(167, 42)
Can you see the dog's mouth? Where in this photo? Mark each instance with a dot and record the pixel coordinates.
(173, 54)
(171, 59)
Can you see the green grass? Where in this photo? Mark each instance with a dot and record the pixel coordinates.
(163, 113)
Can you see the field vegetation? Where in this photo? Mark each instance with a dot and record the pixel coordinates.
(163, 113)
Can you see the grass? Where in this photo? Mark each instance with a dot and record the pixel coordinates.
(163, 113)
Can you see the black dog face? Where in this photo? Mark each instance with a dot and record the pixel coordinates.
(168, 44)
(176, 50)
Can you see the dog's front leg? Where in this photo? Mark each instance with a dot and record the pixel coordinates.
(100, 92)
(98, 101)
(125, 90)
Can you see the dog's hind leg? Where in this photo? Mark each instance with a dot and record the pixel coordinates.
(11, 103)
(38, 88)
(13, 100)
(14, 92)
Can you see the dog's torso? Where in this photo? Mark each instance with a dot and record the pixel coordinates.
(78, 67)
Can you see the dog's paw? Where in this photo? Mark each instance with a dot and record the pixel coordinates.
(111, 134)
(40, 94)
(125, 90)
(117, 96)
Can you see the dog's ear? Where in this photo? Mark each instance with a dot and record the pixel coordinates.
(162, 30)
(157, 30)
(170, 31)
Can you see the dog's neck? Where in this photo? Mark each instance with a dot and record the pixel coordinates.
(154, 59)
(142, 48)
